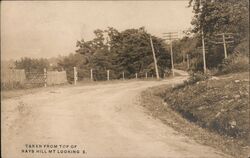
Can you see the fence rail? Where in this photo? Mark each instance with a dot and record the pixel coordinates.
(55, 77)
(15, 78)
(12, 78)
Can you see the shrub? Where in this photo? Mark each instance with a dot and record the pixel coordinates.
(236, 62)
(196, 77)
(193, 78)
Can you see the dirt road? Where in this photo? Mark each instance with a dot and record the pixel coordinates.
(103, 120)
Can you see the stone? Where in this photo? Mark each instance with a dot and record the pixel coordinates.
(218, 114)
(232, 123)
(237, 96)
(236, 81)
(246, 80)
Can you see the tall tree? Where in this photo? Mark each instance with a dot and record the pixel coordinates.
(216, 16)
(128, 51)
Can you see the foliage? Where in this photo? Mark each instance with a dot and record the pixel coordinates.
(234, 63)
(71, 61)
(214, 17)
(128, 51)
(183, 47)
(196, 77)
(29, 64)
(219, 105)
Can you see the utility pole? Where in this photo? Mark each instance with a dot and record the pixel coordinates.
(226, 39)
(203, 51)
(155, 60)
(224, 44)
(187, 61)
(170, 36)
(203, 45)
(172, 55)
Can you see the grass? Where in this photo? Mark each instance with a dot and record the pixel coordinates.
(206, 111)
(220, 105)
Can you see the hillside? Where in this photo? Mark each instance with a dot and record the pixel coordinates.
(220, 104)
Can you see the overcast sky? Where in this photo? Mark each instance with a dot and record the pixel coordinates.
(47, 29)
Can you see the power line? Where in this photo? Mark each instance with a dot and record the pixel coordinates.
(170, 36)
(226, 39)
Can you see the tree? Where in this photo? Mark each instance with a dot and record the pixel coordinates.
(71, 61)
(128, 51)
(29, 64)
(220, 16)
(216, 16)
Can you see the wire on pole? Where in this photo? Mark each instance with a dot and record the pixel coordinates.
(171, 36)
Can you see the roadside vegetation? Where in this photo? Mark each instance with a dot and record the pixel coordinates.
(205, 112)
(219, 104)
(216, 101)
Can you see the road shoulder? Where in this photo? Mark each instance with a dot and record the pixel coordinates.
(155, 106)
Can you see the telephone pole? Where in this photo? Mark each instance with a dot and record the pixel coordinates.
(224, 44)
(155, 60)
(187, 61)
(170, 36)
(226, 39)
(203, 45)
(203, 51)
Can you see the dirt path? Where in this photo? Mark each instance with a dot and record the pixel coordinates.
(104, 120)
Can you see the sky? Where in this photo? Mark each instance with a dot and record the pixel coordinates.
(50, 28)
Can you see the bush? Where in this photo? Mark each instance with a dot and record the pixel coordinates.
(196, 77)
(236, 62)
(193, 78)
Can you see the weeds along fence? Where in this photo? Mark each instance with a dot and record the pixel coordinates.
(17, 79)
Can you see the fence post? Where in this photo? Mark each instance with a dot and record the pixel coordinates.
(123, 76)
(12, 83)
(75, 75)
(152, 76)
(146, 75)
(108, 75)
(45, 77)
(164, 75)
(187, 61)
(135, 75)
(91, 74)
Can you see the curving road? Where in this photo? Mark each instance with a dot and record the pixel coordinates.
(103, 120)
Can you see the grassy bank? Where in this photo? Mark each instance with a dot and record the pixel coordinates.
(213, 112)
(220, 104)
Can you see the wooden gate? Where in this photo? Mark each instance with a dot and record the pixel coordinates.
(35, 78)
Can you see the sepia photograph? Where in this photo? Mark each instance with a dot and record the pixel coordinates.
(125, 79)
